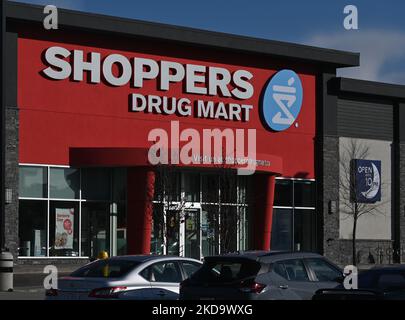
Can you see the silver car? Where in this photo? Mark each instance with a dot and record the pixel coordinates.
(144, 277)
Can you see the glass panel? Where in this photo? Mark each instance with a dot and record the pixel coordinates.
(33, 182)
(217, 271)
(95, 228)
(283, 195)
(228, 188)
(96, 184)
(304, 230)
(279, 268)
(190, 268)
(64, 183)
(210, 188)
(242, 190)
(109, 268)
(323, 270)
(191, 186)
(228, 229)
(121, 229)
(119, 184)
(281, 235)
(304, 193)
(243, 225)
(210, 230)
(192, 234)
(157, 229)
(296, 270)
(64, 228)
(167, 185)
(32, 228)
(163, 272)
(172, 225)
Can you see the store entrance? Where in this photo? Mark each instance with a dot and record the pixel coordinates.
(190, 234)
(199, 232)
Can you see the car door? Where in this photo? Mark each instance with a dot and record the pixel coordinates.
(298, 284)
(164, 277)
(325, 274)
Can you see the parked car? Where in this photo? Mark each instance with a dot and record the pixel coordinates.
(378, 283)
(261, 275)
(126, 277)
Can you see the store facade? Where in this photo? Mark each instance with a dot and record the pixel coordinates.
(87, 102)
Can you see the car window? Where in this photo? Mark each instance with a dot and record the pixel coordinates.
(279, 268)
(323, 270)
(167, 271)
(217, 271)
(190, 267)
(106, 269)
(391, 281)
(295, 270)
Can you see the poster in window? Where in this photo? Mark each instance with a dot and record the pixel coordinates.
(64, 228)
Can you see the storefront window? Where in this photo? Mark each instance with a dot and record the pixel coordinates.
(33, 182)
(210, 188)
(95, 228)
(96, 184)
(304, 193)
(242, 190)
(172, 227)
(210, 230)
(121, 229)
(283, 195)
(157, 236)
(243, 228)
(64, 183)
(304, 230)
(228, 188)
(191, 186)
(32, 228)
(281, 235)
(101, 211)
(119, 184)
(64, 228)
(228, 228)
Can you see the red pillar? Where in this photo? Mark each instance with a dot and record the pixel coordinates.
(141, 187)
(263, 214)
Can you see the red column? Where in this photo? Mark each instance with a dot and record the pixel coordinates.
(263, 214)
(140, 186)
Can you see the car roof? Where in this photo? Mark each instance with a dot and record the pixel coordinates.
(149, 257)
(265, 256)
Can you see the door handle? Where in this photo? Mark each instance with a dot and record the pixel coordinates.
(283, 286)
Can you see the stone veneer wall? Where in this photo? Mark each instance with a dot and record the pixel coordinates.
(340, 250)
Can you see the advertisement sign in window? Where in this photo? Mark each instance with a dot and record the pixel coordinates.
(64, 228)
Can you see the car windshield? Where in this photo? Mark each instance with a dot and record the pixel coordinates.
(226, 271)
(106, 269)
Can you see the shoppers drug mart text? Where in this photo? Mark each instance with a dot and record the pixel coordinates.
(119, 70)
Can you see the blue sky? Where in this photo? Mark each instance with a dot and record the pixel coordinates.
(380, 38)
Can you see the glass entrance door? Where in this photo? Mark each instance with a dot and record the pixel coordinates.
(192, 233)
(199, 232)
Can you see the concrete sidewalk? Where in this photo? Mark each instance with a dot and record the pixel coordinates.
(24, 293)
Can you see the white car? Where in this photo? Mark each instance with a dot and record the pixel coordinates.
(140, 277)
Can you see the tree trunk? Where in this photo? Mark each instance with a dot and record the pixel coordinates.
(355, 216)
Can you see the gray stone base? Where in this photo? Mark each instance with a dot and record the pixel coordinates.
(369, 252)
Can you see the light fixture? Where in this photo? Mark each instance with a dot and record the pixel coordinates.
(332, 206)
(9, 196)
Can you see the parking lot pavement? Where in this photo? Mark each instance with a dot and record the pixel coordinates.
(29, 293)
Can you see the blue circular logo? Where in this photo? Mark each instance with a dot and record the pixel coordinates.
(282, 100)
